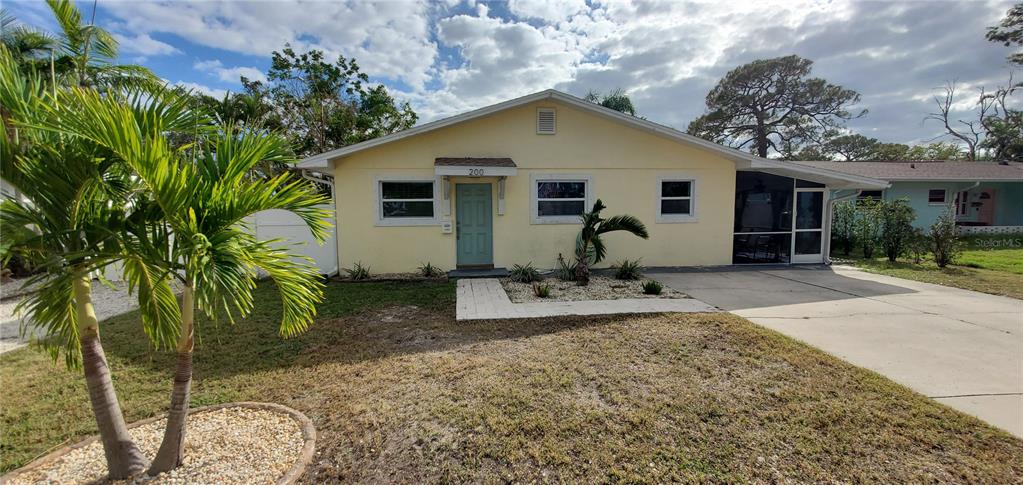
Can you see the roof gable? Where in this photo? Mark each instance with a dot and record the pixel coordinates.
(742, 159)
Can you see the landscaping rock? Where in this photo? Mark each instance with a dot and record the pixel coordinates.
(600, 288)
(247, 443)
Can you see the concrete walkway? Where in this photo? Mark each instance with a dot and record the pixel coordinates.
(959, 347)
(485, 299)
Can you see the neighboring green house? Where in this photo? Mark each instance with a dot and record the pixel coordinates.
(987, 197)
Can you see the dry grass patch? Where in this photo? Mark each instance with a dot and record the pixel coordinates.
(400, 392)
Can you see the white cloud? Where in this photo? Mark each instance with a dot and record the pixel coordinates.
(549, 10)
(229, 74)
(389, 39)
(216, 93)
(666, 54)
(145, 45)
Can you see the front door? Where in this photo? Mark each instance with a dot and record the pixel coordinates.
(474, 225)
(808, 229)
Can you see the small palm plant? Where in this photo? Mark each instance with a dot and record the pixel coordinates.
(203, 195)
(74, 200)
(589, 247)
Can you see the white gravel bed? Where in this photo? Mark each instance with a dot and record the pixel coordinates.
(233, 445)
(600, 288)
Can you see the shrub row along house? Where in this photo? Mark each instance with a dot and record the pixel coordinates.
(506, 184)
(987, 197)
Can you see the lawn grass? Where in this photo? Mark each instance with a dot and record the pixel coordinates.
(400, 392)
(994, 271)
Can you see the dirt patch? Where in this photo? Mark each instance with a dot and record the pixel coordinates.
(600, 288)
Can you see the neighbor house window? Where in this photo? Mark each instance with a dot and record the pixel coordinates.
(936, 196)
(559, 200)
(870, 195)
(675, 200)
(406, 201)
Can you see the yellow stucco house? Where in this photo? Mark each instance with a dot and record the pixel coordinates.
(505, 185)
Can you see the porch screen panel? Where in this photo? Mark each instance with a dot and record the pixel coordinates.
(763, 218)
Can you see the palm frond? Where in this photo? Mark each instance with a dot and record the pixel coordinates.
(158, 307)
(297, 281)
(626, 223)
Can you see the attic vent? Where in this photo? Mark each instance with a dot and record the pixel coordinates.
(545, 121)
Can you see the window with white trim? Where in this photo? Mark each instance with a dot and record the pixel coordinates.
(936, 196)
(560, 198)
(411, 200)
(676, 198)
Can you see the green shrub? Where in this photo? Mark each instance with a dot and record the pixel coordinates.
(542, 290)
(524, 274)
(430, 271)
(843, 226)
(896, 227)
(868, 225)
(919, 245)
(358, 272)
(565, 271)
(652, 287)
(628, 270)
(945, 239)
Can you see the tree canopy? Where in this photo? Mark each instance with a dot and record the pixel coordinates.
(766, 104)
(616, 99)
(319, 105)
(1009, 31)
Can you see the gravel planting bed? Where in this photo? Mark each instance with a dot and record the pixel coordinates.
(600, 288)
(244, 443)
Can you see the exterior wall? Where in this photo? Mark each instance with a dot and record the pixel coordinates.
(926, 214)
(1008, 203)
(1008, 200)
(624, 165)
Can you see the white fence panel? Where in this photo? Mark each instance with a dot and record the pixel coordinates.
(990, 230)
(279, 224)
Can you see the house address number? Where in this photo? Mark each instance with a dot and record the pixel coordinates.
(476, 172)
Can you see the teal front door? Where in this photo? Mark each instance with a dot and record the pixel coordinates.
(474, 225)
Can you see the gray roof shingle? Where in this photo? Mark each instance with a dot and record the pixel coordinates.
(928, 170)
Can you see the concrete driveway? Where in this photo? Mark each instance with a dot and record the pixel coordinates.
(959, 347)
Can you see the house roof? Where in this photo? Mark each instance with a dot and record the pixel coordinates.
(473, 162)
(928, 170)
(743, 160)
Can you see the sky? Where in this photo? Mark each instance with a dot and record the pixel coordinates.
(453, 56)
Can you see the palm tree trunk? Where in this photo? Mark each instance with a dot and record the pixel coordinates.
(123, 458)
(582, 269)
(173, 446)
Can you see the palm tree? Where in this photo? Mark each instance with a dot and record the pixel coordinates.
(203, 196)
(74, 197)
(589, 247)
(85, 54)
(28, 46)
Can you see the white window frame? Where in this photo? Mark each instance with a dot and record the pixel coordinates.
(676, 218)
(944, 200)
(407, 221)
(534, 202)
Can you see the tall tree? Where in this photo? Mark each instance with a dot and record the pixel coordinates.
(991, 125)
(28, 46)
(1009, 31)
(85, 54)
(616, 99)
(763, 104)
(323, 106)
(852, 147)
